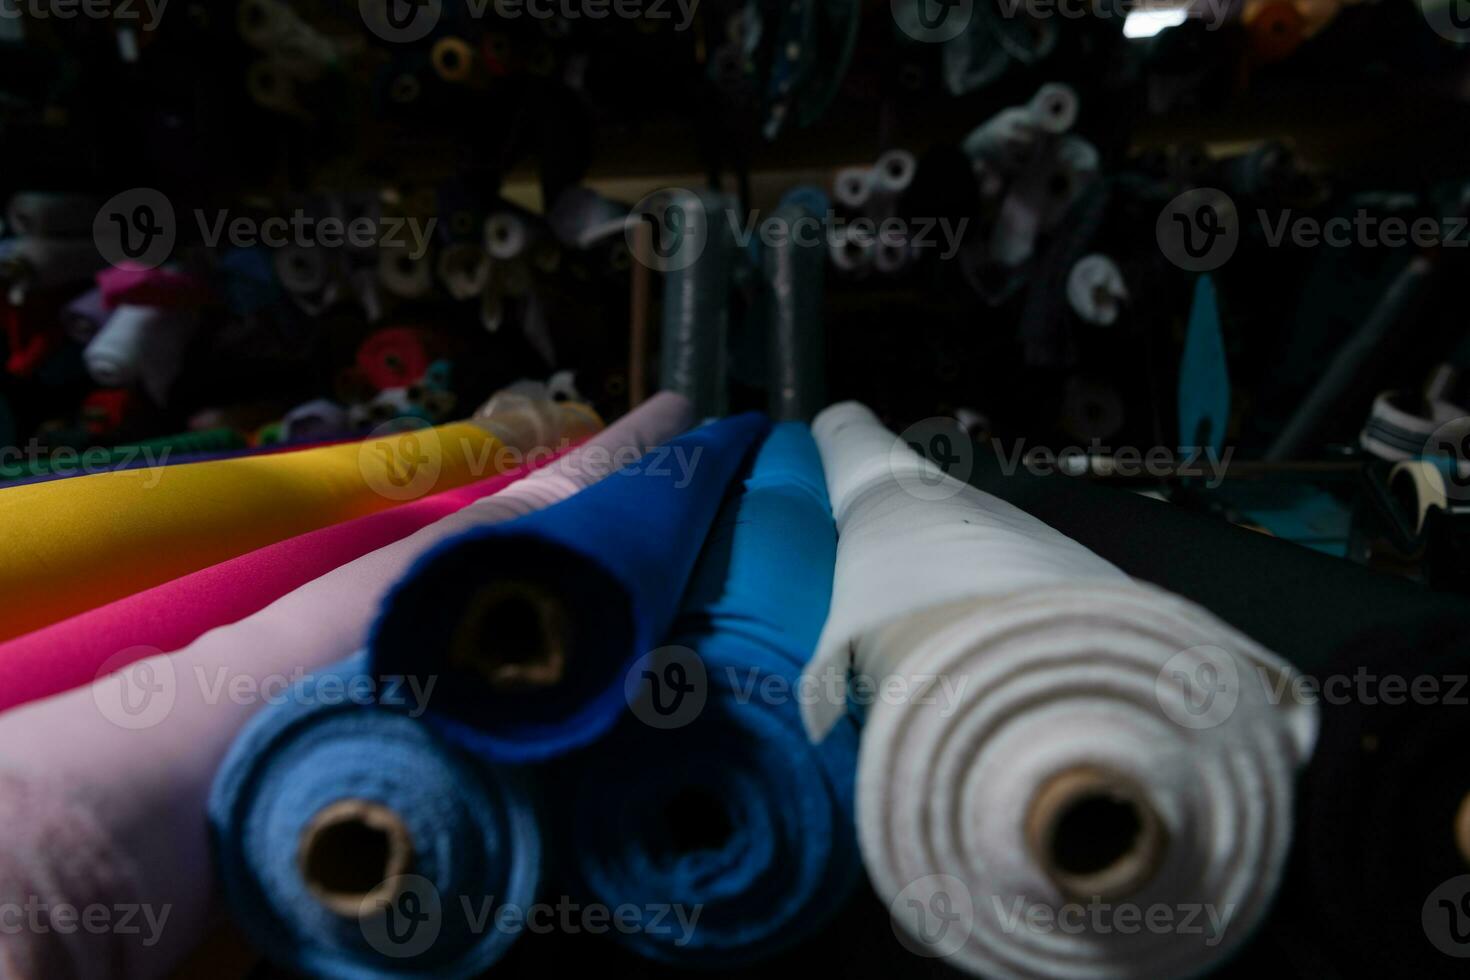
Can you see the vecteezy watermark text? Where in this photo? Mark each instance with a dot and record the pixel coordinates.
(145, 13)
(37, 917)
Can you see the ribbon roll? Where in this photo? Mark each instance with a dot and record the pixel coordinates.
(352, 842)
(163, 287)
(1401, 423)
(140, 345)
(852, 186)
(1050, 734)
(464, 269)
(793, 271)
(540, 619)
(761, 843)
(120, 772)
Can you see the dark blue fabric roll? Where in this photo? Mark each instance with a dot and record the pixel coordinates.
(600, 573)
(729, 811)
(461, 851)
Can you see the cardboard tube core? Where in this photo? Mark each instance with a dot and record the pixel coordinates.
(351, 851)
(515, 635)
(1094, 833)
(1462, 828)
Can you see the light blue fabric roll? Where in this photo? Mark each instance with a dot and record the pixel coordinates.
(733, 814)
(475, 843)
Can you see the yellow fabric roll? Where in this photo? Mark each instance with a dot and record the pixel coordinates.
(74, 544)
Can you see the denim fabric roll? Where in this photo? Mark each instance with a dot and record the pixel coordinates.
(539, 619)
(355, 843)
(715, 801)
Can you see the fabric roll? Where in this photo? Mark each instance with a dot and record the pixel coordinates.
(141, 345)
(334, 819)
(163, 288)
(731, 811)
(1380, 802)
(540, 619)
(1041, 739)
(80, 543)
(117, 774)
(696, 318)
(173, 614)
(794, 269)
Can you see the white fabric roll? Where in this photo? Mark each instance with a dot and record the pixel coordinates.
(1003, 655)
(140, 344)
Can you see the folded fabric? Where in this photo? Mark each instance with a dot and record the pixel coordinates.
(540, 619)
(1382, 809)
(172, 615)
(76, 544)
(107, 785)
(1044, 737)
(353, 843)
(142, 345)
(723, 806)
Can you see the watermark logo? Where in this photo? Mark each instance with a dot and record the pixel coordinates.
(1100, 918)
(1199, 230)
(147, 14)
(401, 21)
(1198, 688)
(667, 688)
(136, 688)
(932, 21)
(407, 922)
(1453, 440)
(401, 459)
(1450, 19)
(1446, 917)
(934, 916)
(136, 228)
(947, 458)
(678, 229)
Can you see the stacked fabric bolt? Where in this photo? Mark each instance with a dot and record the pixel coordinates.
(740, 817)
(1046, 746)
(117, 773)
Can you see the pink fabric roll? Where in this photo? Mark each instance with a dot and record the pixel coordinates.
(103, 788)
(170, 616)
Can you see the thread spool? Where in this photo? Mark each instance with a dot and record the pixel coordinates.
(507, 235)
(1054, 108)
(350, 854)
(852, 186)
(1095, 834)
(403, 275)
(851, 254)
(272, 87)
(1398, 427)
(301, 270)
(514, 635)
(464, 269)
(894, 171)
(454, 60)
(1096, 290)
(139, 344)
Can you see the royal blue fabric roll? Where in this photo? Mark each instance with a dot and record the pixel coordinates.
(472, 831)
(732, 812)
(616, 558)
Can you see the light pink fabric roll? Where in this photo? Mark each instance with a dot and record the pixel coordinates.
(102, 789)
